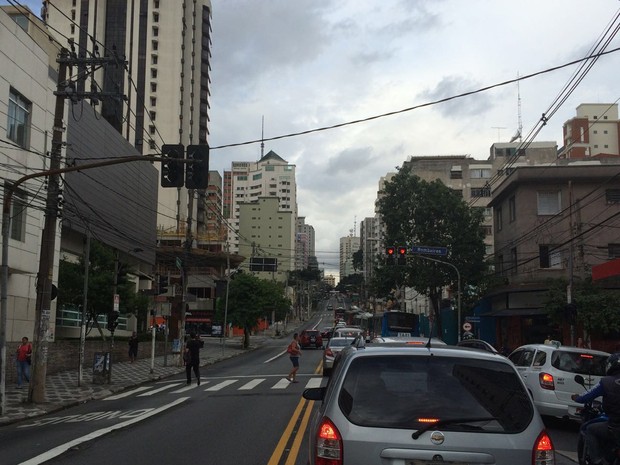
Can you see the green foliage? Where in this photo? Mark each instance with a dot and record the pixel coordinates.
(351, 283)
(100, 284)
(303, 276)
(597, 308)
(417, 212)
(358, 260)
(250, 299)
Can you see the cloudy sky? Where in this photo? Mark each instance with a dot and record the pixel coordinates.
(303, 65)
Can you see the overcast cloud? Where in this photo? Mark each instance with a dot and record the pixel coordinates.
(308, 64)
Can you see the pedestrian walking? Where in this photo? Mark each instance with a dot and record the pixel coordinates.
(23, 360)
(294, 351)
(133, 347)
(191, 358)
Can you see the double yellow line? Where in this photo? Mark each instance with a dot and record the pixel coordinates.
(287, 449)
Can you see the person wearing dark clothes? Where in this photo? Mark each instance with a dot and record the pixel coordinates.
(192, 358)
(133, 347)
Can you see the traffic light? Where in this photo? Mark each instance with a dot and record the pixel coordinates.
(402, 255)
(162, 285)
(171, 169)
(112, 321)
(390, 253)
(197, 171)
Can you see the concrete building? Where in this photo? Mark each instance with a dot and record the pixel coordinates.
(27, 82)
(370, 242)
(348, 246)
(593, 132)
(304, 245)
(268, 234)
(246, 182)
(551, 221)
(167, 47)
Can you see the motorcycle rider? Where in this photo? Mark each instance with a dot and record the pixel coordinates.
(601, 434)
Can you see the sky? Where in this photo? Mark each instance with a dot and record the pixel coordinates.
(303, 65)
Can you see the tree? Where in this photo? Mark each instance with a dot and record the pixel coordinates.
(595, 309)
(248, 299)
(100, 284)
(358, 260)
(417, 212)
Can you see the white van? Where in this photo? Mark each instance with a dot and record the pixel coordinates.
(346, 331)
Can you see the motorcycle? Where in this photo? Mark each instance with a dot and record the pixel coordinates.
(592, 412)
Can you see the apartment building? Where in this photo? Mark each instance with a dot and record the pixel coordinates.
(348, 246)
(305, 256)
(267, 232)
(167, 49)
(246, 182)
(593, 132)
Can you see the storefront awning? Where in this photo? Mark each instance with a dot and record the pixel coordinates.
(606, 270)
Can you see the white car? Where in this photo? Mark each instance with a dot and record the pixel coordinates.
(549, 370)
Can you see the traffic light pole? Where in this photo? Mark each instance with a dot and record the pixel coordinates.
(458, 295)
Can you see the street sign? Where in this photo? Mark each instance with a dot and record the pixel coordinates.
(117, 301)
(179, 263)
(467, 326)
(472, 319)
(426, 250)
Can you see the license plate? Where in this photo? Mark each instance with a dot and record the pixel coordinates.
(433, 462)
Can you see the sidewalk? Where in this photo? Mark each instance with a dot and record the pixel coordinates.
(62, 391)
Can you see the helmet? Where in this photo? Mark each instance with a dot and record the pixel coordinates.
(613, 364)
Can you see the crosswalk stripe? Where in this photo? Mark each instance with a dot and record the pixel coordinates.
(128, 393)
(221, 385)
(186, 388)
(314, 383)
(155, 391)
(252, 384)
(282, 384)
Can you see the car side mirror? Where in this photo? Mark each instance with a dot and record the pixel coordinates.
(314, 393)
(579, 380)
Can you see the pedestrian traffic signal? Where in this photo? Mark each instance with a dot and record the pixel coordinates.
(197, 169)
(390, 253)
(171, 167)
(402, 255)
(112, 321)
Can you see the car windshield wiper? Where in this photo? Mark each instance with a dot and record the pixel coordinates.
(449, 421)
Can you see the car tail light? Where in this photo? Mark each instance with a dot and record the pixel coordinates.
(328, 444)
(329, 352)
(543, 452)
(546, 381)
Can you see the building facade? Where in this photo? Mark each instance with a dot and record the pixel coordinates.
(348, 246)
(593, 132)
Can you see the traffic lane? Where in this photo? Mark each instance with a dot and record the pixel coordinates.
(564, 434)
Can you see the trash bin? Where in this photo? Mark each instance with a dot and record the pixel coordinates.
(102, 368)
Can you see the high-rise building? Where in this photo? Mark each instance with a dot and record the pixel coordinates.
(304, 245)
(167, 49)
(246, 182)
(594, 132)
(348, 246)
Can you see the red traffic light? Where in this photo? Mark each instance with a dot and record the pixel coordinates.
(402, 250)
(390, 251)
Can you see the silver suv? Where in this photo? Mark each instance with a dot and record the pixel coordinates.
(417, 405)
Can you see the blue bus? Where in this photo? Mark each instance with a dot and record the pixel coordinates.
(395, 323)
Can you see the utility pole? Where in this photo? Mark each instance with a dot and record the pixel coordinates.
(36, 390)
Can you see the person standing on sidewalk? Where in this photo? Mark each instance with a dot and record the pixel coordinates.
(24, 354)
(133, 347)
(294, 351)
(192, 358)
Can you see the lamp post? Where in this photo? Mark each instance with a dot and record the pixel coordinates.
(458, 294)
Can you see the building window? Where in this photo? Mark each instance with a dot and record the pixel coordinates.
(487, 230)
(155, 45)
(153, 59)
(18, 124)
(153, 115)
(612, 195)
(153, 87)
(270, 168)
(154, 73)
(550, 256)
(613, 250)
(499, 265)
(513, 260)
(458, 192)
(549, 202)
(18, 215)
(512, 209)
(595, 131)
(479, 173)
(456, 174)
(498, 219)
(481, 192)
(152, 130)
(72, 29)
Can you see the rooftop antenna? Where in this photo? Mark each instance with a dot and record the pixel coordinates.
(499, 128)
(519, 132)
(262, 137)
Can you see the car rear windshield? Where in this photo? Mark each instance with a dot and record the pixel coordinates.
(410, 391)
(340, 342)
(581, 363)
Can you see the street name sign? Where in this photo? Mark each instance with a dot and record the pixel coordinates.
(426, 250)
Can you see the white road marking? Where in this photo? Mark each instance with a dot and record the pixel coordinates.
(56, 451)
(186, 388)
(282, 384)
(221, 385)
(251, 384)
(128, 393)
(155, 391)
(314, 383)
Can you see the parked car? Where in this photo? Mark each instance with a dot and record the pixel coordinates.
(407, 404)
(326, 332)
(310, 338)
(477, 344)
(331, 351)
(549, 370)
